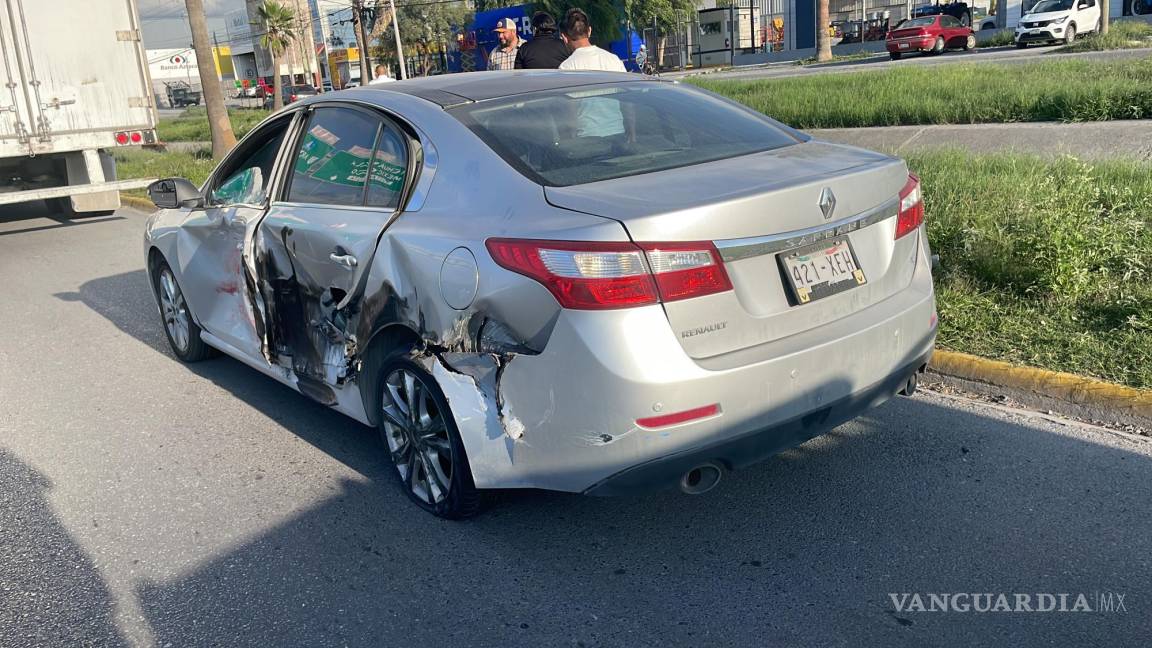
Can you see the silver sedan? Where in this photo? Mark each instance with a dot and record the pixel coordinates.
(586, 282)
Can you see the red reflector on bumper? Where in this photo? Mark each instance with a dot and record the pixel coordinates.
(679, 417)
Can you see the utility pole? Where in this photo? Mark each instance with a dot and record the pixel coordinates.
(362, 39)
(396, 35)
(1105, 19)
(223, 139)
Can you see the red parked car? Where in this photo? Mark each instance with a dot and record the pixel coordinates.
(929, 34)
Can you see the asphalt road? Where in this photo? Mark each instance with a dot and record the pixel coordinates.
(144, 502)
(1000, 55)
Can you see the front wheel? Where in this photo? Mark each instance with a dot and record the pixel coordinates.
(1070, 35)
(970, 43)
(182, 332)
(422, 440)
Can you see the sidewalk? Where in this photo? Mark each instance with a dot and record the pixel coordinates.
(1087, 140)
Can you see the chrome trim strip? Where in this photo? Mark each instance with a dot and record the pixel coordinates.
(736, 249)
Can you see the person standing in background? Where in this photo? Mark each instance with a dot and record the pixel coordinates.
(585, 56)
(503, 57)
(545, 51)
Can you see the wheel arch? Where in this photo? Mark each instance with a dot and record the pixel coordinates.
(383, 343)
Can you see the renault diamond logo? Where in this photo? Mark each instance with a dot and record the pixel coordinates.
(827, 202)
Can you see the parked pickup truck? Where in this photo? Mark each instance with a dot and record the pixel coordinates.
(75, 88)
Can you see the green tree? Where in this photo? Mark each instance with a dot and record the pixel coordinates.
(425, 28)
(278, 24)
(666, 15)
(604, 16)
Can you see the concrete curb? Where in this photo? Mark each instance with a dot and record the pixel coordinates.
(1126, 402)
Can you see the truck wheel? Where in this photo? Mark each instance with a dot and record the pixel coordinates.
(420, 435)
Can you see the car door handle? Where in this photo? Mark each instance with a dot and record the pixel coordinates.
(346, 260)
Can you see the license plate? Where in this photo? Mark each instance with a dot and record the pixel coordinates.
(1034, 31)
(821, 270)
(903, 45)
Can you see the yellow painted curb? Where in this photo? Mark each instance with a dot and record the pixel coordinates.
(1063, 386)
(137, 202)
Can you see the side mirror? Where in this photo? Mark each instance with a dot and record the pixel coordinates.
(175, 193)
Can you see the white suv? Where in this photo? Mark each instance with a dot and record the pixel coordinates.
(1058, 21)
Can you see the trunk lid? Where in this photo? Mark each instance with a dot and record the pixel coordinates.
(907, 33)
(756, 208)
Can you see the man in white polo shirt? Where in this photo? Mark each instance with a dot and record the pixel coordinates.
(576, 31)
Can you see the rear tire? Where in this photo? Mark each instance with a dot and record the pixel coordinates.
(938, 46)
(179, 326)
(1021, 45)
(895, 56)
(420, 436)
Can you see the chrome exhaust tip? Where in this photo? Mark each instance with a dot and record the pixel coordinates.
(702, 478)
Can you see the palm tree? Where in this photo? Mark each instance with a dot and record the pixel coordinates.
(279, 32)
(823, 38)
(223, 139)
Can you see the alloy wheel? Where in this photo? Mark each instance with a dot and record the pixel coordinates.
(417, 437)
(175, 310)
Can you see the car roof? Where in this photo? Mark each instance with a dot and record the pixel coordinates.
(455, 89)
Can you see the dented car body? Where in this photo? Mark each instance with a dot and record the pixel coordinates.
(611, 283)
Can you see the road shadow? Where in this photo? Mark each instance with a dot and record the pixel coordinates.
(51, 593)
(10, 215)
(126, 301)
(803, 549)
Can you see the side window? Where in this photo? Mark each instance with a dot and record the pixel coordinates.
(246, 174)
(389, 169)
(1089, 3)
(949, 21)
(334, 156)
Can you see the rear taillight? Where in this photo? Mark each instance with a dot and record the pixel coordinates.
(292, 98)
(685, 270)
(601, 276)
(911, 215)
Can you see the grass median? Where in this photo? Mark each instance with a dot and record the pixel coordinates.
(1124, 34)
(1050, 90)
(192, 126)
(1045, 262)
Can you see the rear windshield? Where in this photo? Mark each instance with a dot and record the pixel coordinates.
(600, 132)
(302, 88)
(917, 22)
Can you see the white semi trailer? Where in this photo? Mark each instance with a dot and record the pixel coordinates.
(75, 87)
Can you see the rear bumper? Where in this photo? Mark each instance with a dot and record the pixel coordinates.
(910, 44)
(567, 419)
(757, 446)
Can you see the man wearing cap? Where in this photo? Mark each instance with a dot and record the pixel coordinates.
(503, 57)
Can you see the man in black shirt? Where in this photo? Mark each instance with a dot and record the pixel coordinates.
(545, 51)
